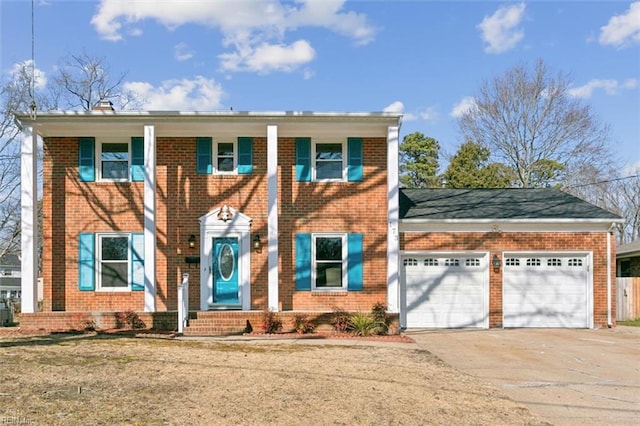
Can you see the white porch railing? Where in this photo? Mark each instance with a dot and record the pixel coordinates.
(183, 303)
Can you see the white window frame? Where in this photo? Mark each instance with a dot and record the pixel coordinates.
(314, 263)
(314, 177)
(98, 260)
(98, 166)
(216, 169)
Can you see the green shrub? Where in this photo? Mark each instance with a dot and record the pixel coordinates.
(271, 323)
(364, 324)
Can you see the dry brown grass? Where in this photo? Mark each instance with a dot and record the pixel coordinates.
(92, 379)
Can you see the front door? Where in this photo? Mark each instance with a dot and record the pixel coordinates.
(225, 271)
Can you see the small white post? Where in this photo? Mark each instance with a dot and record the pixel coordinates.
(183, 303)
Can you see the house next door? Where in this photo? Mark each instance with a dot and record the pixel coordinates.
(225, 271)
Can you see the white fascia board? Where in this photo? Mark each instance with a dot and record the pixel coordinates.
(507, 225)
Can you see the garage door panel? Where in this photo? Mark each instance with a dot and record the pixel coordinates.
(552, 294)
(446, 291)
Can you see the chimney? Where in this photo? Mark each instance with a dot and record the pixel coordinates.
(103, 105)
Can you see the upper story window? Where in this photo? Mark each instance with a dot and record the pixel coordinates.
(224, 157)
(329, 161)
(111, 160)
(114, 161)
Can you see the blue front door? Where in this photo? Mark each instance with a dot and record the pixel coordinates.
(225, 271)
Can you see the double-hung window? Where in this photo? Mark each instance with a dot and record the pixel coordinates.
(111, 160)
(113, 262)
(114, 162)
(226, 157)
(329, 161)
(329, 261)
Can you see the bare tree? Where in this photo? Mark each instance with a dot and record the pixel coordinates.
(83, 80)
(80, 83)
(529, 122)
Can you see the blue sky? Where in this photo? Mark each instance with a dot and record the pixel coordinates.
(422, 58)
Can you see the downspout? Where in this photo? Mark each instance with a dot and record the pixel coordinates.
(609, 283)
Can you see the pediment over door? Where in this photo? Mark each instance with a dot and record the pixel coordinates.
(225, 217)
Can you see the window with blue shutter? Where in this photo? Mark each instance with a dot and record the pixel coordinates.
(245, 155)
(354, 162)
(204, 160)
(86, 159)
(137, 159)
(137, 261)
(303, 159)
(354, 262)
(303, 262)
(86, 262)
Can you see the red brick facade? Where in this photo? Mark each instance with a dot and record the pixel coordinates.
(71, 207)
(497, 243)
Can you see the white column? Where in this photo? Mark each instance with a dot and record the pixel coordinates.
(393, 239)
(149, 218)
(29, 217)
(272, 215)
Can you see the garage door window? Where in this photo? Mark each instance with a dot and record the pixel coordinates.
(452, 262)
(430, 262)
(554, 262)
(411, 262)
(472, 262)
(533, 262)
(575, 262)
(512, 262)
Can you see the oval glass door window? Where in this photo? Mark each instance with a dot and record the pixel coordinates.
(226, 262)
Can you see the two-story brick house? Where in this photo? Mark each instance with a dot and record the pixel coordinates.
(280, 211)
(291, 212)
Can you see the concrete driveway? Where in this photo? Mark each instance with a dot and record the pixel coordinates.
(567, 377)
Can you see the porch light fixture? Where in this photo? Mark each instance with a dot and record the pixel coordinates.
(495, 262)
(192, 241)
(257, 244)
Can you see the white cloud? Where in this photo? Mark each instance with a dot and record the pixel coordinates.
(622, 30)
(268, 57)
(198, 94)
(631, 169)
(500, 31)
(250, 29)
(462, 107)
(610, 87)
(182, 52)
(396, 107)
(430, 114)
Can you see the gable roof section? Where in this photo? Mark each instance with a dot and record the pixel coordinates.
(513, 204)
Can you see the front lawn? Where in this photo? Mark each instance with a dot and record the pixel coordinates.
(632, 323)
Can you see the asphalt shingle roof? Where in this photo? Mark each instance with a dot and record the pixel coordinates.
(629, 248)
(512, 203)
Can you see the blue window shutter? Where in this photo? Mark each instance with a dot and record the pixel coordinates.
(137, 261)
(354, 153)
(86, 261)
(245, 156)
(204, 160)
(303, 262)
(354, 262)
(137, 159)
(86, 159)
(303, 159)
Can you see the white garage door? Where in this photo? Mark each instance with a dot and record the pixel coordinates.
(546, 290)
(446, 290)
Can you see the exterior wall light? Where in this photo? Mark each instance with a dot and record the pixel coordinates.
(257, 244)
(192, 241)
(495, 262)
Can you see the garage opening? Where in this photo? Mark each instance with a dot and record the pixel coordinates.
(546, 290)
(446, 290)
